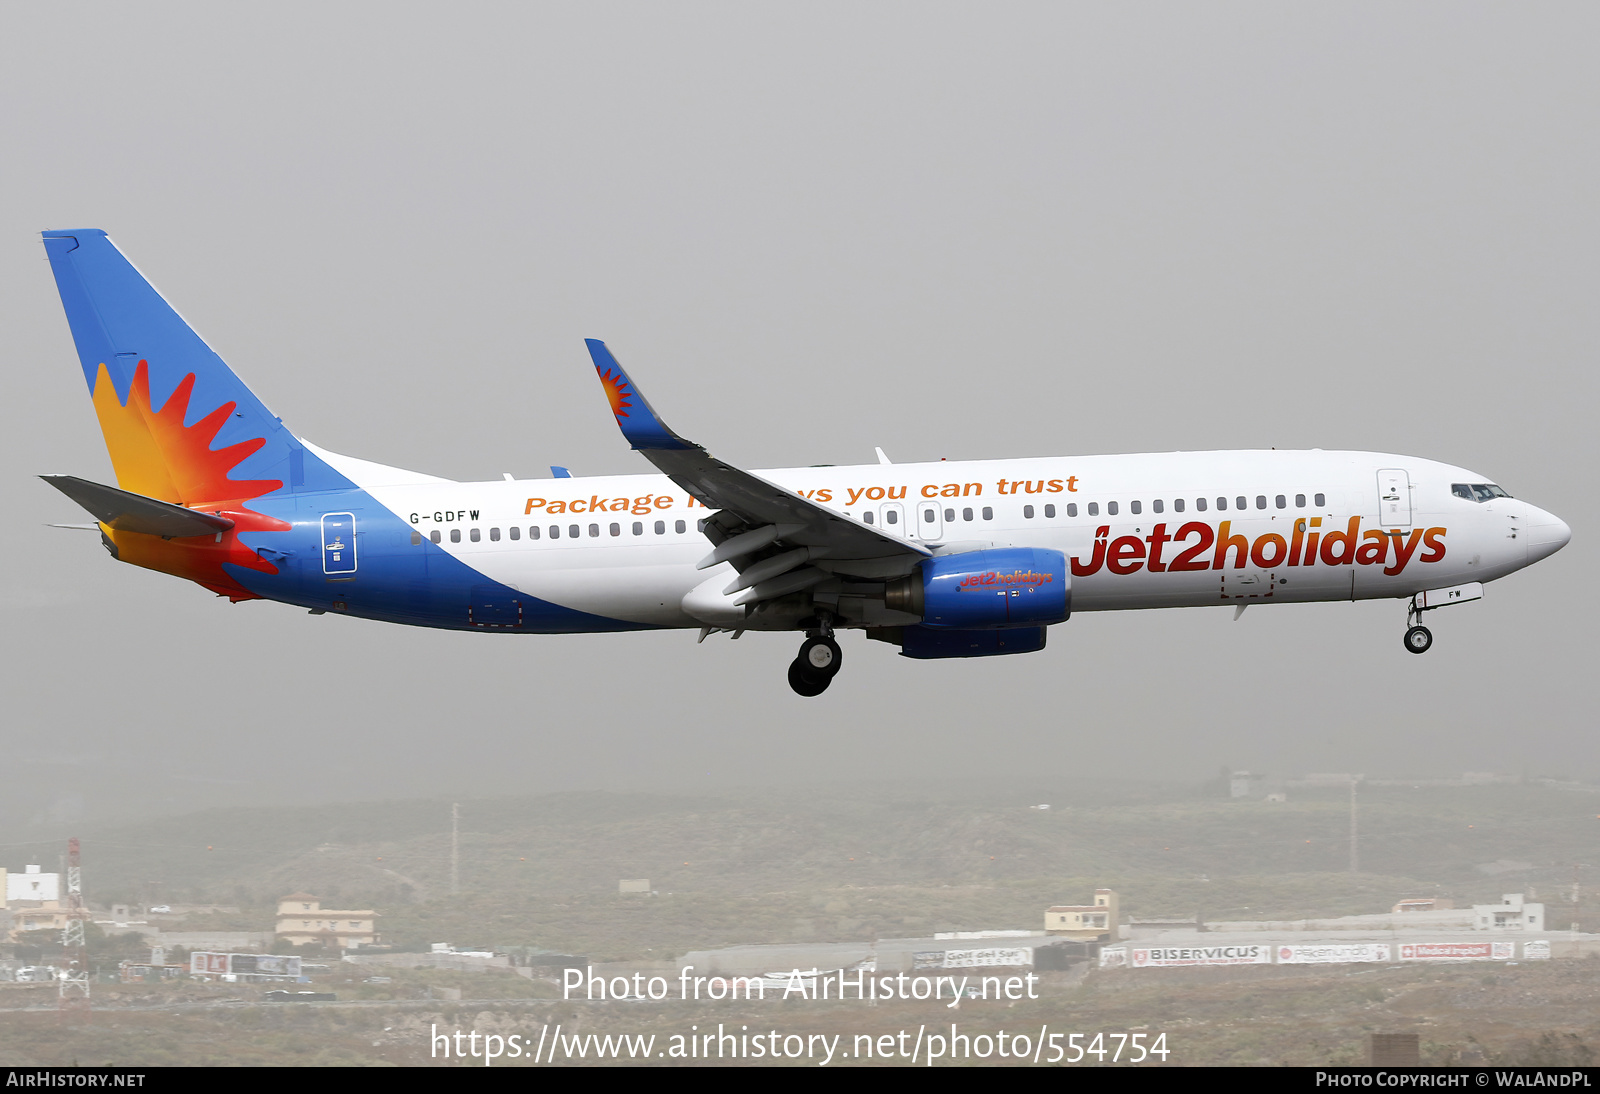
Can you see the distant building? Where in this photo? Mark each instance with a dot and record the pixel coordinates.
(1423, 904)
(1240, 783)
(1085, 921)
(48, 916)
(34, 899)
(31, 885)
(1511, 914)
(302, 919)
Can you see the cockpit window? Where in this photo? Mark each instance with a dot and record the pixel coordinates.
(1477, 491)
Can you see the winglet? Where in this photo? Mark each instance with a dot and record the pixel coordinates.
(641, 425)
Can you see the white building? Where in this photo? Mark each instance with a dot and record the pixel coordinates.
(31, 885)
(1511, 914)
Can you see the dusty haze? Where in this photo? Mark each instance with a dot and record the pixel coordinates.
(962, 231)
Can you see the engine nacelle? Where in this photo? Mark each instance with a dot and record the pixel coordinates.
(930, 644)
(978, 590)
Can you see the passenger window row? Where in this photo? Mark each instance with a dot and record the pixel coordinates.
(573, 531)
(1474, 492)
(892, 516)
(1201, 505)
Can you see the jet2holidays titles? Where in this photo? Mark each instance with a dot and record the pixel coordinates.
(1194, 545)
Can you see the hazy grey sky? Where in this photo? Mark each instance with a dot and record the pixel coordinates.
(978, 230)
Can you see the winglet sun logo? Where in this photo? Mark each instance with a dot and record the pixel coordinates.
(156, 455)
(618, 391)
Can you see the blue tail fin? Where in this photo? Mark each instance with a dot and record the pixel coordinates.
(180, 426)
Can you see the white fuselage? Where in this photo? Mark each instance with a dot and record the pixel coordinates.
(1274, 526)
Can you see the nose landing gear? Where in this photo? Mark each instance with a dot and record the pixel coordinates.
(818, 663)
(1418, 639)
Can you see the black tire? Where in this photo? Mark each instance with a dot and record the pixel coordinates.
(821, 657)
(807, 683)
(1419, 639)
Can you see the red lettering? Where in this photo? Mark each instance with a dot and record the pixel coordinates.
(1346, 539)
(1127, 555)
(1403, 550)
(1258, 553)
(1190, 558)
(1226, 543)
(1310, 558)
(1097, 559)
(1157, 539)
(1374, 548)
(1431, 539)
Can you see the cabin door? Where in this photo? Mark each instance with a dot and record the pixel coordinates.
(338, 544)
(1394, 499)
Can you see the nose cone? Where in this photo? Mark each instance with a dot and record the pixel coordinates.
(1547, 534)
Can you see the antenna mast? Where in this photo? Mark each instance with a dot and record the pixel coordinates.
(73, 986)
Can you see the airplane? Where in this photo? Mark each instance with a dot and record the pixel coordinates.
(941, 559)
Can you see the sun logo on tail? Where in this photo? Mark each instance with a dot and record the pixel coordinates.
(155, 454)
(618, 392)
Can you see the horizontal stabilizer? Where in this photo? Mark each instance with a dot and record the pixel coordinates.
(136, 513)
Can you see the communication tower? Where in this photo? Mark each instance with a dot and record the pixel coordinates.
(73, 985)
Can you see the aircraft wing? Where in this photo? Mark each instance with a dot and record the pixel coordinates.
(770, 534)
(136, 513)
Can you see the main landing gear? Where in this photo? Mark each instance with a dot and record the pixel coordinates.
(1418, 639)
(818, 663)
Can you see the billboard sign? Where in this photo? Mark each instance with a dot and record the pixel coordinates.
(243, 964)
(209, 964)
(1537, 950)
(1458, 951)
(1114, 957)
(1173, 956)
(971, 959)
(276, 964)
(1345, 953)
(983, 959)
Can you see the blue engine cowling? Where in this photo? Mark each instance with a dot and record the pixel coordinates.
(982, 590)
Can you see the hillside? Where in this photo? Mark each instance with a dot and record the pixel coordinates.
(851, 863)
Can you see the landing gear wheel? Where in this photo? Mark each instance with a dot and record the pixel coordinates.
(1419, 639)
(805, 682)
(820, 657)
